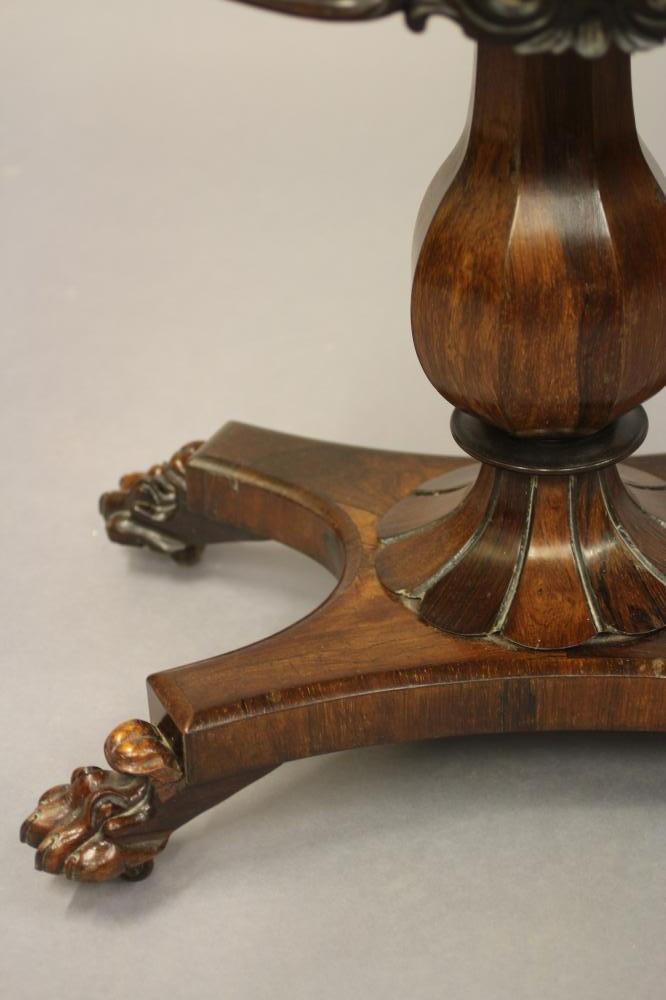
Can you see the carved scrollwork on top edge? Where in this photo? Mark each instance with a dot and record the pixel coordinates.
(588, 27)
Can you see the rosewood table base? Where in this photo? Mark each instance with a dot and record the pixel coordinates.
(362, 669)
(525, 593)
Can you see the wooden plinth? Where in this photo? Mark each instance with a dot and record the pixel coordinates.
(360, 670)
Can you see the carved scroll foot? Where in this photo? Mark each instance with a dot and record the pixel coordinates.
(151, 509)
(101, 825)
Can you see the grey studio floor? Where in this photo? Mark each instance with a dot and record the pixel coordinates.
(206, 214)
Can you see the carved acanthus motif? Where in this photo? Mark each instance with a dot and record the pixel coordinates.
(95, 828)
(589, 27)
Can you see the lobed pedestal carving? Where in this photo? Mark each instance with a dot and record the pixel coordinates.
(539, 310)
(572, 558)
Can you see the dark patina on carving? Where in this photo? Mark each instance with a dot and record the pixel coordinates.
(588, 27)
(96, 827)
(150, 509)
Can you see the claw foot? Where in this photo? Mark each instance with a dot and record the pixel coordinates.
(150, 509)
(94, 828)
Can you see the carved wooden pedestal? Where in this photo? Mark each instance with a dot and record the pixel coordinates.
(524, 590)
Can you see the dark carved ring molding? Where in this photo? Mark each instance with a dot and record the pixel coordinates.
(556, 457)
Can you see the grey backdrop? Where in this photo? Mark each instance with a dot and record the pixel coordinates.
(207, 213)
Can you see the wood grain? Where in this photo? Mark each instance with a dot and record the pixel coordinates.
(362, 669)
(539, 301)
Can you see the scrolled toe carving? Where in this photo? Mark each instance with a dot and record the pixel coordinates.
(97, 827)
(137, 747)
(150, 509)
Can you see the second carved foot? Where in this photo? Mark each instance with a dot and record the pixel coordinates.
(98, 826)
(150, 509)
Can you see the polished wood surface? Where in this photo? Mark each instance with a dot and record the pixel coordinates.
(539, 301)
(539, 309)
(303, 687)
